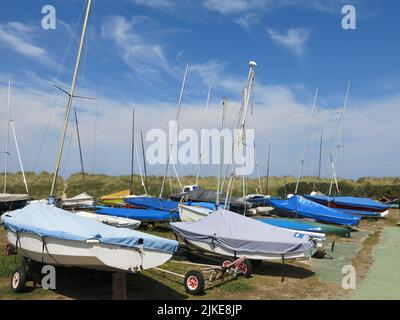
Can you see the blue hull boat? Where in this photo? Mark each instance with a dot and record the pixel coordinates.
(298, 206)
(144, 215)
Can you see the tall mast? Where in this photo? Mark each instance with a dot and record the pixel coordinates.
(19, 156)
(241, 123)
(177, 118)
(204, 126)
(133, 146)
(140, 170)
(69, 105)
(221, 150)
(269, 161)
(8, 136)
(318, 177)
(340, 136)
(80, 151)
(144, 161)
(307, 141)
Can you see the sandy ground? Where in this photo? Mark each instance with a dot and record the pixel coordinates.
(368, 250)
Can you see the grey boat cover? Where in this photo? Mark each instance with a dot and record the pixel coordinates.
(7, 197)
(235, 232)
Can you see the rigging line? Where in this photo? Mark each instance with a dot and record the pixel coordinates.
(140, 169)
(63, 72)
(306, 145)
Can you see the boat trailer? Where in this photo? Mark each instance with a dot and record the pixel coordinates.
(195, 281)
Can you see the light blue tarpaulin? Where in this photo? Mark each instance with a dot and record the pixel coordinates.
(298, 205)
(153, 203)
(48, 221)
(140, 214)
(355, 203)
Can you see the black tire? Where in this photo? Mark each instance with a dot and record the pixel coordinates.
(194, 282)
(9, 249)
(246, 268)
(18, 280)
(256, 263)
(223, 262)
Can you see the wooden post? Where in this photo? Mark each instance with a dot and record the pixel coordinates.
(119, 290)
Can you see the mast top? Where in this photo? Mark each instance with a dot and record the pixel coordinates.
(252, 63)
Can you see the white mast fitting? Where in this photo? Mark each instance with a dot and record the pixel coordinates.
(69, 105)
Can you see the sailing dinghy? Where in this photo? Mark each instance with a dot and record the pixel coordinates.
(112, 221)
(229, 234)
(364, 207)
(79, 201)
(47, 234)
(301, 207)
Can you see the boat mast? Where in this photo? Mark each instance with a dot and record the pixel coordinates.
(132, 147)
(140, 170)
(144, 161)
(80, 152)
(11, 126)
(241, 125)
(334, 176)
(340, 137)
(8, 136)
(269, 161)
(69, 105)
(319, 162)
(204, 126)
(307, 141)
(177, 118)
(221, 150)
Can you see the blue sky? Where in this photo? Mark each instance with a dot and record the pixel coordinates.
(136, 52)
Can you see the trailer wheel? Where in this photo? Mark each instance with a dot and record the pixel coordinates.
(226, 261)
(194, 282)
(246, 268)
(18, 280)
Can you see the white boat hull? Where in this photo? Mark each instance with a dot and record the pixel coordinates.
(86, 254)
(112, 221)
(192, 214)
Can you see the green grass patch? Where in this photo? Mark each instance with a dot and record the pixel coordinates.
(237, 285)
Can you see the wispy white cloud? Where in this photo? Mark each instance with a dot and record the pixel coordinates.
(156, 3)
(19, 37)
(294, 39)
(248, 20)
(234, 6)
(16, 36)
(146, 57)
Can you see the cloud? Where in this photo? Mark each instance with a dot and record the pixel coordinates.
(155, 3)
(144, 56)
(294, 39)
(234, 6)
(248, 20)
(15, 35)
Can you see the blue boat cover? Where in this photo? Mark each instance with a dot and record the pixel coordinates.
(48, 221)
(153, 203)
(305, 208)
(140, 214)
(352, 201)
(365, 214)
(291, 225)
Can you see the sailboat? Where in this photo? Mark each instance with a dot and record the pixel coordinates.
(9, 202)
(363, 207)
(43, 233)
(230, 234)
(82, 200)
